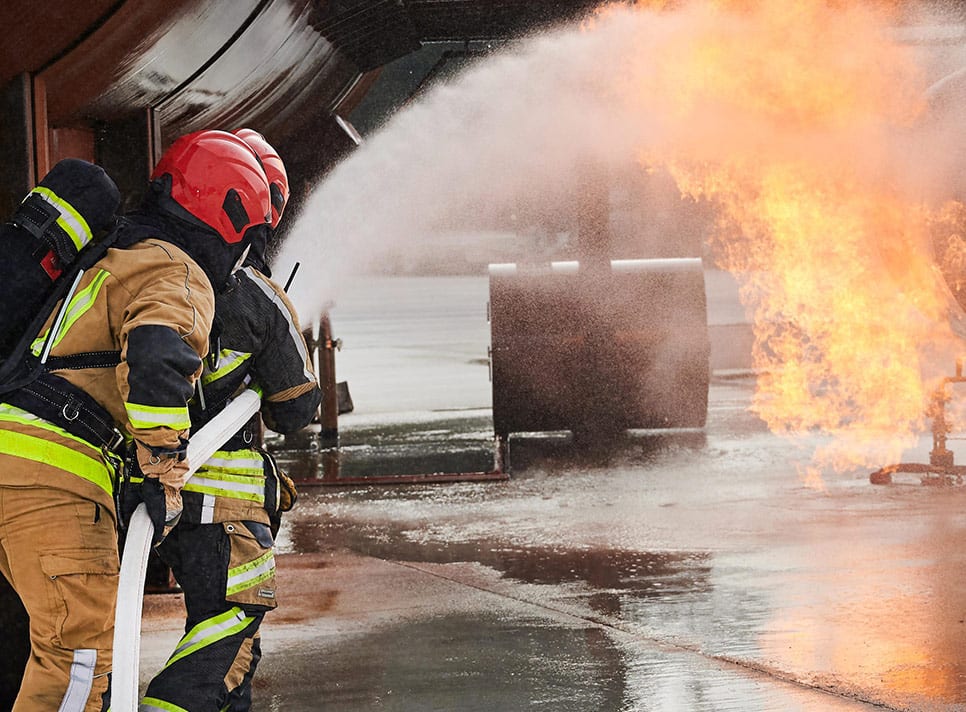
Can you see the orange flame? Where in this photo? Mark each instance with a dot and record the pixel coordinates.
(794, 118)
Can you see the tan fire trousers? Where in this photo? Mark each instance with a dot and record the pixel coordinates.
(59, 551)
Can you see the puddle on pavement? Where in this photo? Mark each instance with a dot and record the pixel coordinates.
(663, 594)
(611, 574)
(765, 608)
(492, 661)
(455, 662)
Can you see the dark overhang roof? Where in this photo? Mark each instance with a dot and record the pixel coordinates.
(374, 32)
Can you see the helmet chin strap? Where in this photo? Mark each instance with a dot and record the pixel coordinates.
(241, 260)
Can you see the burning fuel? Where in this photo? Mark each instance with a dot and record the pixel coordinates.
(798, 121)
(804, 125)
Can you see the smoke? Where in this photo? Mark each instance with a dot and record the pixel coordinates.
(509, 136)
(506, 138)
(824, 134)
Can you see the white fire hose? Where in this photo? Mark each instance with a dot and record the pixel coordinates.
(137, 547)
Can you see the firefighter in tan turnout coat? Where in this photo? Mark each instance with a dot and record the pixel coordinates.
(122, 367)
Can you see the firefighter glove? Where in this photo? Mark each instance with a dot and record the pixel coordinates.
(280, 493)
(137, 489)
(287, 494)
(162, 473)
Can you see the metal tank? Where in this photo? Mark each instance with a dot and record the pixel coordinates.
(597, 351)
(598, 346)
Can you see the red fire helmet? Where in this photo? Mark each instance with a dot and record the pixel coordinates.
(217, 178)
(274, 170)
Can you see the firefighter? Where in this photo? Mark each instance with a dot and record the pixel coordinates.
(122, 366)
(277, 178)
(221, 552)
(26, 283)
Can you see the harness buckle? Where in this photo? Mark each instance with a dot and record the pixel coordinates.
(116, 441)
(74, 414)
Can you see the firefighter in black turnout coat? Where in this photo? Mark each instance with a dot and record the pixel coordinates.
(221, 552)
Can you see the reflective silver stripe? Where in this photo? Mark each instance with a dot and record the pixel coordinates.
(148, 416)
(210, 631)
(293, 331)
(81, 681)
(71, 221)
(249, 576)
(248, 465)
(207, 509)
(228, 361)
(201, 483)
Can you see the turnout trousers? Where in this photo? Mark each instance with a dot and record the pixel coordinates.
(14, 644)
(58, 550)
(212, 668)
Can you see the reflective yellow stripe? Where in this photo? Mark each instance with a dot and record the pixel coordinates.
(210, 631)
(252, 468)
(251, 574)
(37, 449)
(249, 489)
(229, 360)
(233, 474)
(238, 462)
(155, 416)
(12, 414)
(78, 306)
(153, 704)
(71, 221)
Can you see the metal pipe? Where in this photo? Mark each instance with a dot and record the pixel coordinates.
(329, 415)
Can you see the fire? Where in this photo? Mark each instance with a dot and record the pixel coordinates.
(794, 119)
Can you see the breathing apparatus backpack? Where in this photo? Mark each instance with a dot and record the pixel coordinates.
(63, 226)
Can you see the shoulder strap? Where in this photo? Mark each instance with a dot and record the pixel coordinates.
(18, 369)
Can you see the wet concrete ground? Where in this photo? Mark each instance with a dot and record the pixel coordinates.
(679, 571)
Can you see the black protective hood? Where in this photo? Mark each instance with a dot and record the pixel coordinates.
(205, 246)
(261, 236)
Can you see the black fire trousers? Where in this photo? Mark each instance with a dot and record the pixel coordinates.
(212, 667)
